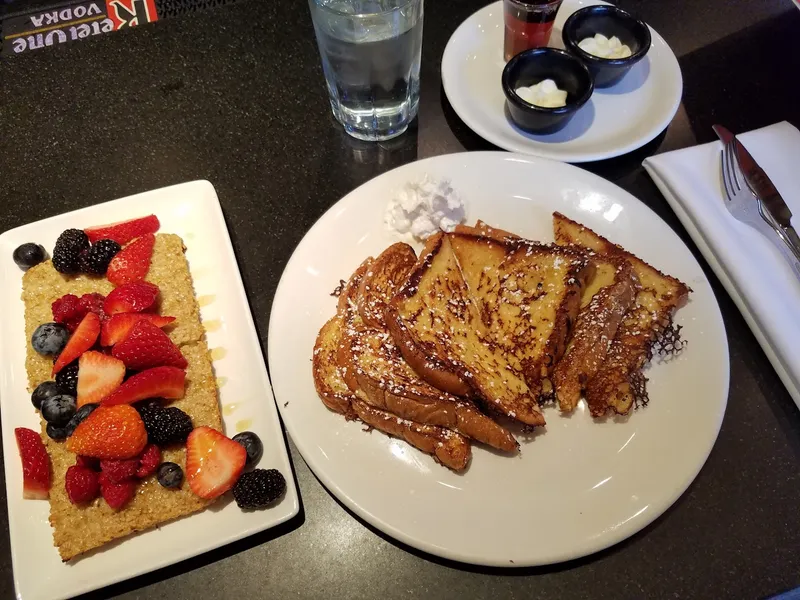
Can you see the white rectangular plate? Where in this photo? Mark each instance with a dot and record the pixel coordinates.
(192, 211)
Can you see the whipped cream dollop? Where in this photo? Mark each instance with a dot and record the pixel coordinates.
(421, 208)
(545, 94)
(604, 47)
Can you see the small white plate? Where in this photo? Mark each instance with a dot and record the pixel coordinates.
(616, 120)
(578, 486)
(192, 211)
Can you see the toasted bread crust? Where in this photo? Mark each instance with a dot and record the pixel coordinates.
(328, 381)
(381, 282)
(433, 310)
(657, 298)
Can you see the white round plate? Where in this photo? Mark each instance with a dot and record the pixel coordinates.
(616, 120)
(578, 486)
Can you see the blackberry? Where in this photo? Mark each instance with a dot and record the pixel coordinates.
(96, 259)
(67, 379)
(259, 488)
(166, 425)
(67, 251)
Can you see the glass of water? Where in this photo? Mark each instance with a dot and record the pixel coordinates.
(370, 55)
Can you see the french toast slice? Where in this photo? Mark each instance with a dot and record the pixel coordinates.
(438, 329)
(527, 295)
(447, 447)
(377, 367)
(620, 381)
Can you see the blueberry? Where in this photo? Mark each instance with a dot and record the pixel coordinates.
(42, 391)
(56, 433)
(29, 255)
(83, 412)
(170, 475)
(58, 410)
(252, 444)
(49, 338)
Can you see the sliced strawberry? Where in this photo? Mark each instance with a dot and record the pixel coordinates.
(98, 376)
(158, 382)
(123, 231)
(117, 495)
(118, 326)
(35, 464)
(109, 432)
(132, 262)
(149, 461)
(147, 346)
(82, 339)
(134, 297)
(213, 462)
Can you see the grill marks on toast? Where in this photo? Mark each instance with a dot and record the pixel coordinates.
(330, 379)
(615, 384)
(437, 325)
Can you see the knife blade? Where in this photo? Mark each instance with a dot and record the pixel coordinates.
(771, 204)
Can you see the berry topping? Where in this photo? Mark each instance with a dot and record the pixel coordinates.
(124, 231)
(79, 417)
(67, 379)
(29, 255)
(88, 462)
(96, 259)
(110, 432)
(58, 434)
(149, 461)
(158, 382)
(82, 339)
(69, 310)
(166, 426)
(133, 297)
(118, 326)
(82, 484)
(259, 488)
(213, 462)
(58, 410)
(42, 391)
(117, 471)
(99, 375)
(132, 262)
(67, 251)
(146, 346)
(49, 338)
(170, 475)
(252, 444)
(117, 495)
(35, 464)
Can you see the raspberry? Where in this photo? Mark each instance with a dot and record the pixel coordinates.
(93, 303)
(149, 461)
(82, 484)
(117, 471)
(117, 495)
(70, 310)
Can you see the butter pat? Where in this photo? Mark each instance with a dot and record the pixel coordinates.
(604, 47)
(421, 208)
(545, 94)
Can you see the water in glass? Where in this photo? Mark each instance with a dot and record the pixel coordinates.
(370, 55)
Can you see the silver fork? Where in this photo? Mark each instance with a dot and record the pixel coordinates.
(745, 206)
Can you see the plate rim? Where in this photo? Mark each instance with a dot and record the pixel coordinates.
(523, 147)
(203, 195)
(446, 553)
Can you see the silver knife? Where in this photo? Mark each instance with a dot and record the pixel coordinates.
(772, 206)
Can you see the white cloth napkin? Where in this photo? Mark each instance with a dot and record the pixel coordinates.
(752, 269)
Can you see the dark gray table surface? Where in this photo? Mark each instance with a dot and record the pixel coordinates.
(235, 95)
